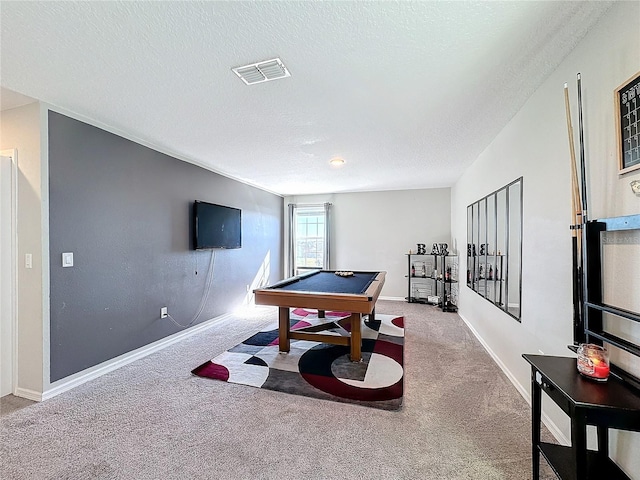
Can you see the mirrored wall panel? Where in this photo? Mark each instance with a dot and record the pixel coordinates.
(494, 248)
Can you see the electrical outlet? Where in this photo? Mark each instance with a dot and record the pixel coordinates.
(163, 312)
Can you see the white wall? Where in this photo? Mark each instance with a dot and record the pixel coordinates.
(535, 145)
(20, 129)
(375, 230)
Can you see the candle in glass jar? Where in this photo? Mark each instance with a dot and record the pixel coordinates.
(593, 361)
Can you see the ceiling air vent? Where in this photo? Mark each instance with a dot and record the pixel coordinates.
(262, 71)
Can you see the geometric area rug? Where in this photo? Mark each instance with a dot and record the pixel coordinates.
(320, 370)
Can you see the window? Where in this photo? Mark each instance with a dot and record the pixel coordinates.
(309, 238)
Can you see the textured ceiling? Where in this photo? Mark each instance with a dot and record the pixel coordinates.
(408, 93)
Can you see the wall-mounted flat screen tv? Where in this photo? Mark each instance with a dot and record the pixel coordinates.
(216, 226)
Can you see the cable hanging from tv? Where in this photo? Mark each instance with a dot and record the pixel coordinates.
(207, 290)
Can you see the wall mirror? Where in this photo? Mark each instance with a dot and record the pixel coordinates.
(494, 248)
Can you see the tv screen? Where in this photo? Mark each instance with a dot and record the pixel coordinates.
(217, 226)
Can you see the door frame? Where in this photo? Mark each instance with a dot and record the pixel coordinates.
(10, 291)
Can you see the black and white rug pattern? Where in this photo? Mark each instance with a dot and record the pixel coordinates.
(320, 370)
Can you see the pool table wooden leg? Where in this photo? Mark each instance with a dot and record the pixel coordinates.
(283, 329)
(356, 337)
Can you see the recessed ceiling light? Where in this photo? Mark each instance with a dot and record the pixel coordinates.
(336, 161)
(262, 71)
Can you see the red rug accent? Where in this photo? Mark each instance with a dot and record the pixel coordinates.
(320, 370)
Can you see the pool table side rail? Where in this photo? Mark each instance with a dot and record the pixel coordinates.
(375, 287)
(290, 280)
(302, 276)
(348, 302)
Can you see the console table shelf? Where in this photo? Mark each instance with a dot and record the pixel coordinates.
(560, 458)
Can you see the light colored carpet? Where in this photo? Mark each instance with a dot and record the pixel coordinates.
(461, 419)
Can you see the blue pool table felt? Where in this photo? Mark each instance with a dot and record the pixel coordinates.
(329, 282)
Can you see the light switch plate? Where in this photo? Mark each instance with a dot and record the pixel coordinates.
(28, 260)
(67, 259)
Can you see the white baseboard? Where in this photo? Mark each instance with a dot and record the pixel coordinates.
(553, 428)
(84, 376)
(394, 299)
(28, 394)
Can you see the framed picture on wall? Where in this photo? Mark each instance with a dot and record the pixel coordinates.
(627, 106)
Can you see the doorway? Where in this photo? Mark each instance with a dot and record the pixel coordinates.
(8, 192)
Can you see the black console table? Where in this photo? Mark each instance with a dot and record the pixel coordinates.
(611, 404)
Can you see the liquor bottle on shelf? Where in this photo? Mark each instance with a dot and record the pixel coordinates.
(413, 270)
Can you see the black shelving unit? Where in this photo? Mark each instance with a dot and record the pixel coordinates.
(447, 277)
(440, 285)
(417, 278)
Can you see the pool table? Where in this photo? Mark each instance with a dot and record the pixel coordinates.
(324, 290)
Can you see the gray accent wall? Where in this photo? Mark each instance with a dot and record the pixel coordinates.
(125, 212)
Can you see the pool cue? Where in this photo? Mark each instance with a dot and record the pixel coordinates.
(580, 332)
(582, 159)
(576, 237)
